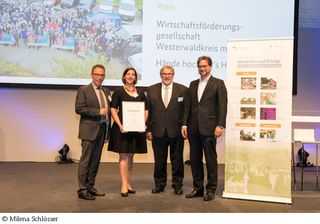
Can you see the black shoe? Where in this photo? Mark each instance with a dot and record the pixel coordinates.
(209, 196)
(178, 191)
(95, 192)
(86, 195)
(157, 190)
(125, 194)
(131, 191)
(195, 193)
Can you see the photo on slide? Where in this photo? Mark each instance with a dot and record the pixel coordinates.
(248, 101)
(248, 83)
(268, 83)
(247, 135)
(268, 114)
(247, 113)
(268, 134)
(267, 98)
(63, 39)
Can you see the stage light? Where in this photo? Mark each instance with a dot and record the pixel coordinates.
(303, 158)
(63, 155)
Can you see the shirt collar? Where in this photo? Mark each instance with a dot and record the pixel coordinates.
(169, 86)
(206, 79)
(95, 87)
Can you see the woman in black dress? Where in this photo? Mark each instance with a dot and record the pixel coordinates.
(122, 142)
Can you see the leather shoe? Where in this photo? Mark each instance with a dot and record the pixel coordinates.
(157, 190)
(131, 191)
(178, 191)
(86, 195)
(124, 194)
(95, 192)
(209, 196)
(195, 193)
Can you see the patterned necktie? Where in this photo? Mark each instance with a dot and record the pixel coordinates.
(166, 96)
(102, 100)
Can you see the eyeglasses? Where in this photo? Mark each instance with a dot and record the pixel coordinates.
(203, 66)
(97, 74)
(167, 73)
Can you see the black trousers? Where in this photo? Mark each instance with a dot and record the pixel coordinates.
(90, 160)
(160, 149)
(200, 144)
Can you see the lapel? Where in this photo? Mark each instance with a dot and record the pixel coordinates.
(106, 93)
(93, 95)
(196, 89)
(173, 95)
(206, 88)
(159, 96)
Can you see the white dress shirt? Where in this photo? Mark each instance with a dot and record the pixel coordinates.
(202, 86)
(163, 89)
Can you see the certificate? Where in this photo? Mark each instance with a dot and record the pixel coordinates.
(133, 116)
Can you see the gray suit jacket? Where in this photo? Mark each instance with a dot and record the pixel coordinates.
(88, 107)
(204, 116)
(162, 118)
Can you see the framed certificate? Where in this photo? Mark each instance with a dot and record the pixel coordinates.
(133, 116)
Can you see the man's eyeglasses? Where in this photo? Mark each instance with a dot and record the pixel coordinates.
(97, 74)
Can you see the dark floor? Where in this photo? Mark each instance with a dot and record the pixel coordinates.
(49, 187)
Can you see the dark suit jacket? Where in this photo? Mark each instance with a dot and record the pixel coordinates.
(162, 118)
(204, 116)
(87, 106)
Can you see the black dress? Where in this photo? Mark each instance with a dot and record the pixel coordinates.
(130, 142)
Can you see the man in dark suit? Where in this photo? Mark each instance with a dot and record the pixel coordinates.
(204, 121)
(92, 104)
(166, 104)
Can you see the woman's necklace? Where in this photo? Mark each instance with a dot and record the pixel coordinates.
(131, 90)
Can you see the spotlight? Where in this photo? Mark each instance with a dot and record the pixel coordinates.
(63, 155)
(303, 158)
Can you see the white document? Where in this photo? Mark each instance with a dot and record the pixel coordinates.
(133, 116)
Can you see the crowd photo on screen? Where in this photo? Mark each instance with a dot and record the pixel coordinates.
(86, 28)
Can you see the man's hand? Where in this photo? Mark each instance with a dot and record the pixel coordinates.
(184, 132)
(103, 111)
(149, 136)
(218, 131)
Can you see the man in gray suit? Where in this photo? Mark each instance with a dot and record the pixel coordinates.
(92, 104)
(204, 121)
(166, 104)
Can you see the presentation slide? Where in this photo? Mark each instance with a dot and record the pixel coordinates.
(309, 14)
(57, 41)
(308, 60)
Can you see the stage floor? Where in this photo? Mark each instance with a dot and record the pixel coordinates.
(49, 187)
